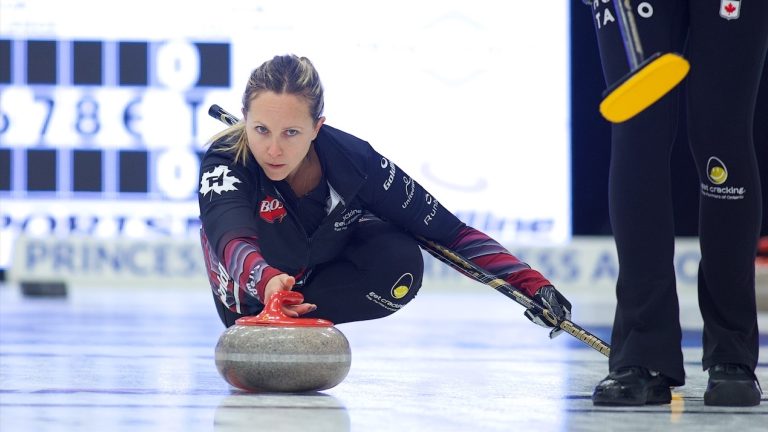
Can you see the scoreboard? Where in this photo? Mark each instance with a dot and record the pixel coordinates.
(92, 117)
(103, 106)
(92, 130)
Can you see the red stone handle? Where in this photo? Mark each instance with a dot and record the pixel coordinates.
(273, 315)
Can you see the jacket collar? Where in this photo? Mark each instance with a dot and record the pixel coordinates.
(342, 157)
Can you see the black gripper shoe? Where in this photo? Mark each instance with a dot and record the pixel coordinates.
(631, 386)
(732, 385)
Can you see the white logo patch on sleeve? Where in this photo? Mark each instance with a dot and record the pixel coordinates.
(218, 180)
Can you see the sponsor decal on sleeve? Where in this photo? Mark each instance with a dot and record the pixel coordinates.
(410, 188)
(218, 180)
(433, 205)
(392, 170)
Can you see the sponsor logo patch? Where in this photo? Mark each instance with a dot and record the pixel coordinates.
(392, 169)
(218, 180)
(272, 210)
(403, 285)
(410, 188)
(433, 205)
(347, 219)
(717, 174)
(383, 302)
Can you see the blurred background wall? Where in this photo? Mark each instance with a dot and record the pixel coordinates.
(492, 106)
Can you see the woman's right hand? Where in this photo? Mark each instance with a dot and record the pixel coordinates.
(284, 282)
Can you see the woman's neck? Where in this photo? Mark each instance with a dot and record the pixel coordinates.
(308, 175)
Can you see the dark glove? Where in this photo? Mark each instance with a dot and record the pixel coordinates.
(555, 303)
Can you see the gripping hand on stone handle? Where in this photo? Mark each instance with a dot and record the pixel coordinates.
(284, 282)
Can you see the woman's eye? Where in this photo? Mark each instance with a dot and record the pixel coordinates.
(291, 132)
(261, 129)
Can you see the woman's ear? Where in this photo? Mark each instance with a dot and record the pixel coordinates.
(318, 124)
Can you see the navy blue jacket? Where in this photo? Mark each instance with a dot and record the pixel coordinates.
(237, 201)
(360, 180)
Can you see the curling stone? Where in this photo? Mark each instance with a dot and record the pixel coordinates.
(272, 352)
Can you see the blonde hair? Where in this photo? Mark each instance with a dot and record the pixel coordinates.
(286, 74)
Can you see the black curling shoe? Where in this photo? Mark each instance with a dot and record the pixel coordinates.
(732, 385)
(632, 385)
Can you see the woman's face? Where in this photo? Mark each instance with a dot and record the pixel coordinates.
(280, 130)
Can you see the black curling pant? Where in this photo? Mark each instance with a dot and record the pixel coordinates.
(726, 59)
(379, 272)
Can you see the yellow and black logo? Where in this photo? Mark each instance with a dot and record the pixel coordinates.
(717, 173)
(402, 286)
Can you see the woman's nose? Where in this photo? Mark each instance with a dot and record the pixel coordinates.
(273, 148)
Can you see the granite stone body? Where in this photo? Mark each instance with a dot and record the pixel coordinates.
(283, 358)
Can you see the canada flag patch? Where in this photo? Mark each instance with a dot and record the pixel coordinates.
(730, 9)
(272, 210)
